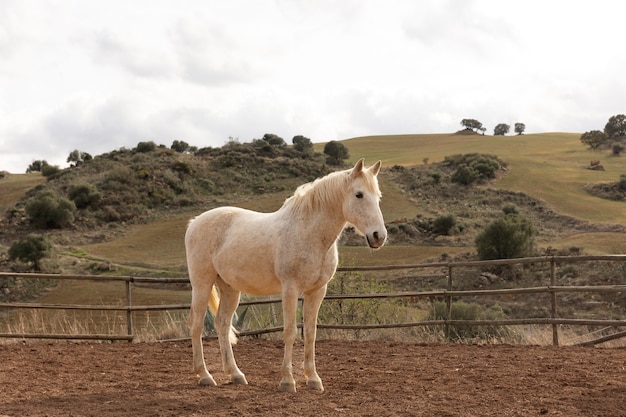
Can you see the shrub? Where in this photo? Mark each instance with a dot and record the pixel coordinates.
(143, 147)
(444, 224)
(49, 211)
(464, 175)
(50, 170)
(622, 182)
(84, 195)
(510, 209)
(31, 249)
(510, 236)
(460, 310)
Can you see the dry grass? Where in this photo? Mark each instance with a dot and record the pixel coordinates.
(14, 186)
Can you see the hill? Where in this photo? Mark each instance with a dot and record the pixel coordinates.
(147, 197)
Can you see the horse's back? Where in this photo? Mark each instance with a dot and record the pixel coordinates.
(236, 244)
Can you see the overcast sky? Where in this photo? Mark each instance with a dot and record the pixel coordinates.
(100, 75)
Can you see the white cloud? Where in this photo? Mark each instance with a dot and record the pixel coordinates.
(98, 75)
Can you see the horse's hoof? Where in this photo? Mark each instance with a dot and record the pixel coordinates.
(287, 387)
(239, 379)
(315, 384)
(207, 381)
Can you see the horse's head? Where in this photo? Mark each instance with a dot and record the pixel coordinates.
(361, 206)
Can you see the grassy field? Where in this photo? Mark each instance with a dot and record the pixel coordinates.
(13, 187)
(548, 166)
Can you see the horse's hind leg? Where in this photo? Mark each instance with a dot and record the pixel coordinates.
(229, 300)
(312, 302)
(199, 301)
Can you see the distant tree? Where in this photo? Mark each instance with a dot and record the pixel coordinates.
(181, 146)
(144, 147)
(302, 144)
(336, 153)
(77, 157)
(274, 140)
(31, 249)
(594, 139)
(36, 166)
(501, 129)
(50, 170)
(520, 128)
(616, 126)
(473, 124)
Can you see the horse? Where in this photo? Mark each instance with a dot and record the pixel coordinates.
(291, 252)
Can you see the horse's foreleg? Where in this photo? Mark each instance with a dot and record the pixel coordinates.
(229, 300)
(199, 301)
(312, 302)
(290, 305)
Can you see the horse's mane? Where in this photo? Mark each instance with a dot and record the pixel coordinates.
(324, 192)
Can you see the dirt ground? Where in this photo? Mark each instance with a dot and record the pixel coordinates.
(361, 379)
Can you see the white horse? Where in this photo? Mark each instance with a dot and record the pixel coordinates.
(291, 251)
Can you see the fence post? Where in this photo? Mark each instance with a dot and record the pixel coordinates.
(555, 327)
(129, 313)
(448, 303)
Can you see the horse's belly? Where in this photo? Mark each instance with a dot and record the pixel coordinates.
(250, 280)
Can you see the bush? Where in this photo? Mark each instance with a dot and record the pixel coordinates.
(31, 249)
(444, 224)
(510, 236)
(460, 310)
(84, 195)
(464, 175)
(49, 211)
(143, 147)
(50, 170)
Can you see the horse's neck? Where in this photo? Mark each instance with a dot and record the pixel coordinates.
(324, 225)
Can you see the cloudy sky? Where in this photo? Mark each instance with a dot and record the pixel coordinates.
(100, 75)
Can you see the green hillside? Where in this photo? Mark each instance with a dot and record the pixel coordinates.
(549, 168)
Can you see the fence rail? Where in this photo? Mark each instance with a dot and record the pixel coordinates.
(447, 294)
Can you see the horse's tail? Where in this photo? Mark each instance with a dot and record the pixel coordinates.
(214, 303)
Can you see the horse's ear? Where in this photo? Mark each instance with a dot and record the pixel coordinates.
(375, 169)
(358, 167)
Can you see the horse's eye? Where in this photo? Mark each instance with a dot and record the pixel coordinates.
(359, 195)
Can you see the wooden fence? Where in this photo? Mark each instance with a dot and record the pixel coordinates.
(447, 294)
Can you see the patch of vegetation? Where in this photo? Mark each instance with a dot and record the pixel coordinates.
(134, 185)
(615, 191)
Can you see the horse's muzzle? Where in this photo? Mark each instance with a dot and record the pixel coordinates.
(376, 239)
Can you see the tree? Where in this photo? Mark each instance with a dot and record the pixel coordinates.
(616, 126)
(520, 128)
(36, 166)
(274, 140)
(145, 147)
(510, 236)
(302, 144)
(594, 139)
(472, 124)
(181, 146)
(336, 153)
(77, 157)
(501, 129)
(31, 249)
